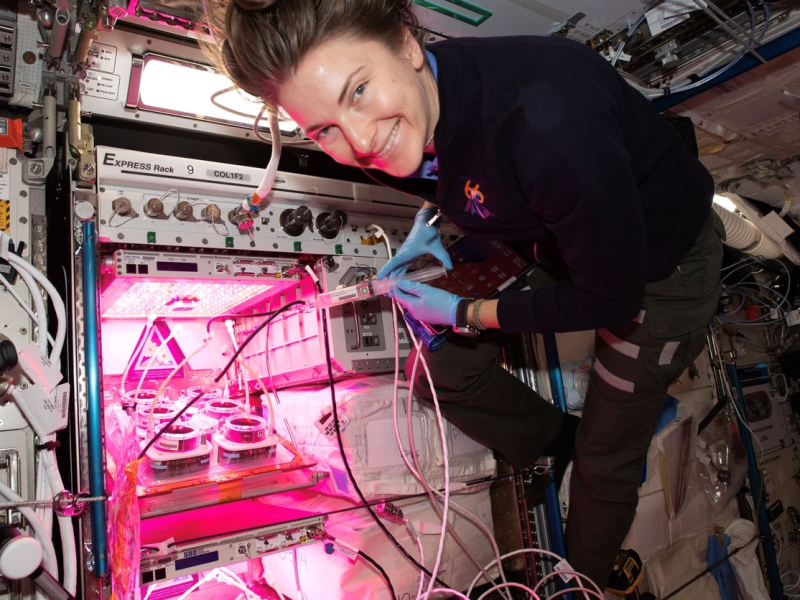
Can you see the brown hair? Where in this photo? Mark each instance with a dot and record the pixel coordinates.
(260, 43)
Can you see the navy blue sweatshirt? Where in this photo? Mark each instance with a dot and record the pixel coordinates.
(541, 141)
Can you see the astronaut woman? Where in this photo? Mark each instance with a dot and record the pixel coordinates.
(539, 143)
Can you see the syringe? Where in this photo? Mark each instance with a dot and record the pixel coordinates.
(375, 287)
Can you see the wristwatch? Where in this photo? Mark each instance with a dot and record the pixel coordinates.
(462, 327)
(467, 330)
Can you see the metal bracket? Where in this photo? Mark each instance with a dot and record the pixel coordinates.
(79, 196)
(10, 462)
(81, 145)
(36, 171)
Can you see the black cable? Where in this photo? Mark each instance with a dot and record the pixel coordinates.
(350, 475)
(709, 569)
(268, 313)
(370, 560)
(380, 569)
(216, 380)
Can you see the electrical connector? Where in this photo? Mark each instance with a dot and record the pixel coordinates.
(252, 203)
(391, 512)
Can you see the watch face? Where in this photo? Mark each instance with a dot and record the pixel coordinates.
(466, 330)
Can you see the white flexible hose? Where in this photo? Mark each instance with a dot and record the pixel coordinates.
(241, 379)
(415, 471)
(239, 583)
(744, 235)
(10, 289)
(535, 551)
(298, 586)
(150, 320)
(442, 434)
(268, 180)
(44, 515)
(55, 298)
(38, 527)
(42, 487)
(180, 365)
(456, 506)
(222, 575)
(421, 550)
(205, 578)
(421, 477)
(508, 585)
(39, 308)
(65, 527)
(445, 460)
(48, 480)
(739, 233)
(161, 346)
(146, 370)
(446, 468)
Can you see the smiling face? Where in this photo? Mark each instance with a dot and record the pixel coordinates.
(365, 104)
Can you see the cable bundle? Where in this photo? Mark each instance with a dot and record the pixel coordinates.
(48, 478)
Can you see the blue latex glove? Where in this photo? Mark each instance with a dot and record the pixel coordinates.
(422, 239)
(426, 303)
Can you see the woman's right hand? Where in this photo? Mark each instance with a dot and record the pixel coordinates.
(423, 239)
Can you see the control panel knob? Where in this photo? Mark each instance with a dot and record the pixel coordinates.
(122, 206)
(211, 213)
(330, 224)
(154, 208)
(8, 356)
(183, 210)
(295, 221)
(241, 218)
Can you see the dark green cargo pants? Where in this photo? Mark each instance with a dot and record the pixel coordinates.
(635, 364)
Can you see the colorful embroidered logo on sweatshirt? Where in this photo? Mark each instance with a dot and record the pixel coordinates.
(475, 200)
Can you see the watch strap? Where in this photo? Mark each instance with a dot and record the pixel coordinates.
(461, 312)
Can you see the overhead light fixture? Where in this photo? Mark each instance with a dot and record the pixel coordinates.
(182, 88)
(471, 14)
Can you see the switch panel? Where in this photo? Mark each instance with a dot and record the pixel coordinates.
(361, 332)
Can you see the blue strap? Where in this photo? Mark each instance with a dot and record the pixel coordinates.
(434, 66)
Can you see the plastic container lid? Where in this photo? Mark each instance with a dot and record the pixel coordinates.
(20, 557)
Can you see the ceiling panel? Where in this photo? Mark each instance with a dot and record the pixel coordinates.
(749, 130)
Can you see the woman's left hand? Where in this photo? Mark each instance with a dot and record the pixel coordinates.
(426, 303)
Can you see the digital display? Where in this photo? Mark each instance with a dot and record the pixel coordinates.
(196, 560)
(177, 267)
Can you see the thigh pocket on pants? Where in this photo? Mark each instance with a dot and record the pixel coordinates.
(682, 303)
(687, 299)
